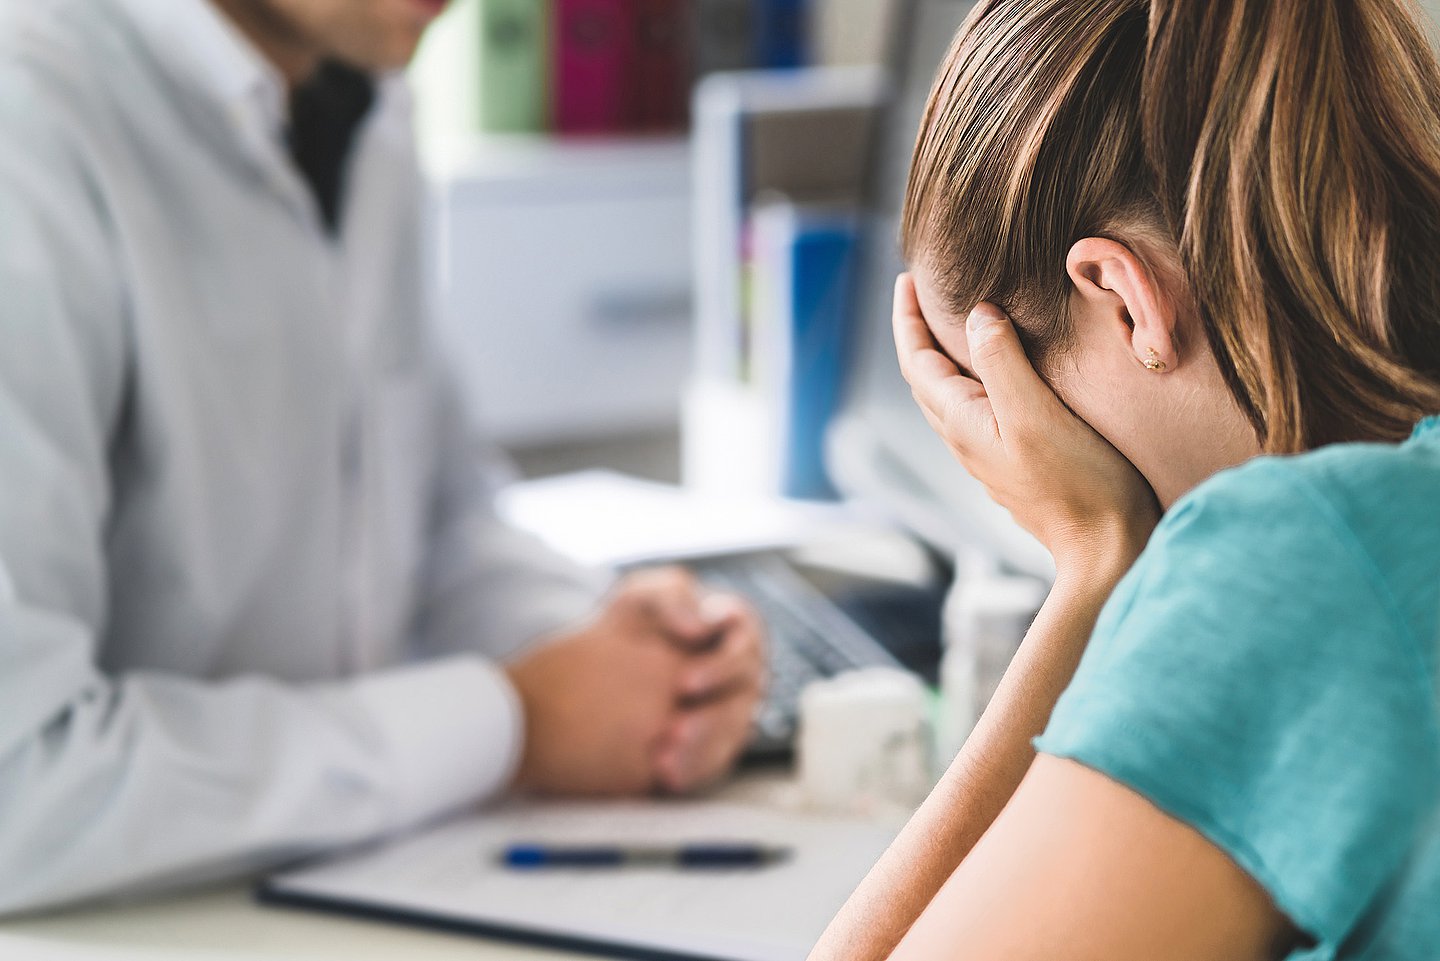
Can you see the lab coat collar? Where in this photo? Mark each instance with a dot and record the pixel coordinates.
(207, 56)
(209, 61)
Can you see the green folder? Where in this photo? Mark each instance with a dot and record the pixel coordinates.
(513, 61)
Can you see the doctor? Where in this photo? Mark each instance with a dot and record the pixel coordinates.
(254, 600)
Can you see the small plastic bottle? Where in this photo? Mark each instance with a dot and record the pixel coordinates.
(985, 619)
(864, 743)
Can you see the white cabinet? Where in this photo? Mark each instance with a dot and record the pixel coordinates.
(565, 284)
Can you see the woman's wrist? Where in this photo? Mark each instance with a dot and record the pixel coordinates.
(1097, 564)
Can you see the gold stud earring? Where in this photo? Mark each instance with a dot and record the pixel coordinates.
(1152, 360)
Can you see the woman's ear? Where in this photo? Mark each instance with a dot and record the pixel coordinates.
(1117, 285)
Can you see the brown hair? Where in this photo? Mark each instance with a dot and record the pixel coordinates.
(1283, 157)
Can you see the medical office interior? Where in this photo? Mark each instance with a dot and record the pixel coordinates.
(659, 255)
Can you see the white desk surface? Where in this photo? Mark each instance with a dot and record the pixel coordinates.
(226, 924)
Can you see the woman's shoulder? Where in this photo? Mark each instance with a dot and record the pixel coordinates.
(1267, 671)
(1358, 482)
(1352, 517)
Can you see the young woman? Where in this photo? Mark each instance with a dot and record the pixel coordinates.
(1201, 235)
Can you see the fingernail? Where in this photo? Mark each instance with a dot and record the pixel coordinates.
(983, 317)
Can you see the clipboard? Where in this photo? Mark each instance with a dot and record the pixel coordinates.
(448, 878)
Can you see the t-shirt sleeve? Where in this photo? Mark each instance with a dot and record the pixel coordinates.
(1253, 677)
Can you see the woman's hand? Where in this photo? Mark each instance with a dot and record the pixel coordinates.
(1061, 481)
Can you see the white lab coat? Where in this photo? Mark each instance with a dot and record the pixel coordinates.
(239, 497)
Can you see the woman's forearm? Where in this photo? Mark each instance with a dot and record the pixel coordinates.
(978, 783)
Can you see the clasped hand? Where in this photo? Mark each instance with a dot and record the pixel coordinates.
(1059, 479)
(656, 693)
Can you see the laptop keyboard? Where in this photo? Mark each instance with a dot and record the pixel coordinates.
(810, 639)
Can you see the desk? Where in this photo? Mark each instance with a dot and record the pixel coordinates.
(224, 923)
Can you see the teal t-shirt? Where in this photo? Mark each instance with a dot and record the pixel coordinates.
(1267, 674)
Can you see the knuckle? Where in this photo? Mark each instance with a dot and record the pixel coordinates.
(956, 418)
(987, 348)
(738, 606)
(634, 586)
(675, 578)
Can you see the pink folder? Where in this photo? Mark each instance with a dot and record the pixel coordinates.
(594, 51)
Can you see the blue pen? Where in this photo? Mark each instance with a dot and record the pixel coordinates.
(536, 856)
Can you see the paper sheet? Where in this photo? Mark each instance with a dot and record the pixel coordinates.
(765, 914)
(601, 519)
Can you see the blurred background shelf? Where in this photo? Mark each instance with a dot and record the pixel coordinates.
(557, 137)
(522, 158)
(565, 282)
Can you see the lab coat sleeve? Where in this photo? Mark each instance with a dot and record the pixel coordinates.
(121, 781)
(487, 586)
